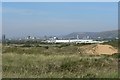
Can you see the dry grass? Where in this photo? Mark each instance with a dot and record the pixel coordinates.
(55, 62)
(0, 60)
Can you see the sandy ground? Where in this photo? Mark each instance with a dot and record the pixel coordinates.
(98, 49)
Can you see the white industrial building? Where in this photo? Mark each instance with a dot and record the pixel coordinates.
(77, 40)
(74, 41)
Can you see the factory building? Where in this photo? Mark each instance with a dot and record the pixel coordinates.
(74, 41)
(56, 40)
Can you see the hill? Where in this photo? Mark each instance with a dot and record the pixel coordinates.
(94, 35)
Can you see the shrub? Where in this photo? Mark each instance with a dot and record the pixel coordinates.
(26, 45)
(37, 45)
(46, 47)
(116, 55)
(89, 75)
(63, 45)
(82, 44)
(69, 65)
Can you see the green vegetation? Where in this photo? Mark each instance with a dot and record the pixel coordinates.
(57, 66)
(113, 43)
(55, 61)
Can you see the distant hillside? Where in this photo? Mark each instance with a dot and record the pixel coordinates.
(93, 35)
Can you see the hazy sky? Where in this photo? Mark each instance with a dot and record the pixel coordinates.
(52, 18)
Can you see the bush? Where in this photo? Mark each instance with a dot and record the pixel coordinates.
(69, 65)
(63, 45)
(26, 45)
(37, 45)
(116, 55)
(89, 75)
(46, 47)
(82, 44)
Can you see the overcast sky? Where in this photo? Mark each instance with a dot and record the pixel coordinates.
(52, 18)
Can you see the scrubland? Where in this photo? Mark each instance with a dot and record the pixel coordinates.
(56, 61)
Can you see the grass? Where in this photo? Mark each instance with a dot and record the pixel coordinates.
(55, 62)
(46, 50)
(0, 60)
(58, 65)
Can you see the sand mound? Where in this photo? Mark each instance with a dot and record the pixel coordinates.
(98, 49)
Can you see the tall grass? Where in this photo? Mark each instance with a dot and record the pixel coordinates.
(58, 61)
(57, 66)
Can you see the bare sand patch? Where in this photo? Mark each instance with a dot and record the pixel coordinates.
(98, 49)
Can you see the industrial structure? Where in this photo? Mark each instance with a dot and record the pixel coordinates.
(74, 41)
(55, 40)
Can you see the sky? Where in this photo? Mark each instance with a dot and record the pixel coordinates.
(0, 20)
(21, 19)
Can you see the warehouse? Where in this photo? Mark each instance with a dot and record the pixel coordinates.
(74, 41)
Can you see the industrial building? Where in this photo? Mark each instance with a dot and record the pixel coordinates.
(56, 40)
